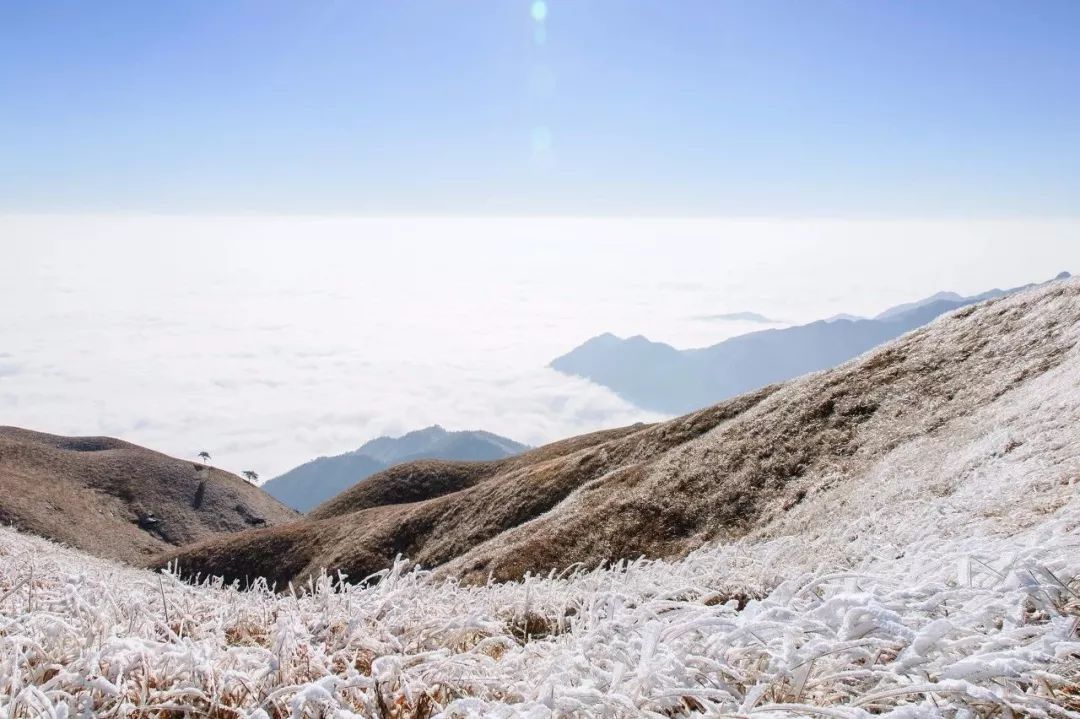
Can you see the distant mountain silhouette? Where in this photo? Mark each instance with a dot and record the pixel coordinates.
(437, 443)
(738, 317)
(658, 377)
(894, 312)
(312, 483)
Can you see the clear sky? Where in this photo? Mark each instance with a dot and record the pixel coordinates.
(845, 108)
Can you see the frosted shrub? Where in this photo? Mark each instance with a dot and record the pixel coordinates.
(960, 628)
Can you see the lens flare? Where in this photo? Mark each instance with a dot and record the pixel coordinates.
(542, 82)
(539, 10)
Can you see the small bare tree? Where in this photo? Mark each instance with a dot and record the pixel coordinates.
(204, 456)
(251, 476)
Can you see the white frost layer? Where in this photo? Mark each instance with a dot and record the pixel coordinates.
(960, 628)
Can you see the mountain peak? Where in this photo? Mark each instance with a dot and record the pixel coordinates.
(605, 338)
(435, 429)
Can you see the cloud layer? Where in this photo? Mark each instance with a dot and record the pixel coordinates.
(270, 341)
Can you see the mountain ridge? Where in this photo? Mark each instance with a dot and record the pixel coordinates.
(659, 377)
(757, 465)
(312, 483)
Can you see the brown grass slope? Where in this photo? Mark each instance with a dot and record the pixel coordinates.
(118, 500)
(727, 472)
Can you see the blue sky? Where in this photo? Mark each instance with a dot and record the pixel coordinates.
(847, 108)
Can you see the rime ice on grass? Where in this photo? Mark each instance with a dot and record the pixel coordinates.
(961, 628)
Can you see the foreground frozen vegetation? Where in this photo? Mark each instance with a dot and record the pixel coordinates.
(959, 628)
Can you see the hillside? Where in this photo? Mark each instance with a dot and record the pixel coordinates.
(658, 377)
(989, 389)
(118, 500)
(314, 482)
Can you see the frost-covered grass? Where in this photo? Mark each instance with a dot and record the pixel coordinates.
(959, 628)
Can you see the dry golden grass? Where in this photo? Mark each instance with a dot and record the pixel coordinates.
(95, 494)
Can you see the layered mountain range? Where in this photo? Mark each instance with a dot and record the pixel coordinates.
(314, 482)
(988, 388)
(659, 377)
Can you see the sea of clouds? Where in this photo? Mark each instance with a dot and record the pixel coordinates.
(269, 341)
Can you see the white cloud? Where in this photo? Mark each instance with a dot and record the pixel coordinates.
(270, 341)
